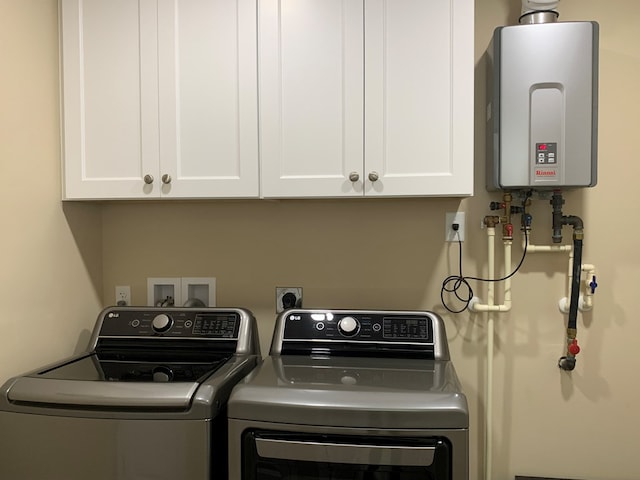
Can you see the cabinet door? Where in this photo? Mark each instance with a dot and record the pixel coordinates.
(208, 98)
(109, 98)
(419, 97)
(311, 94)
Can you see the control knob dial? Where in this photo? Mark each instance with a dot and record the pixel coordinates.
(348, 326)
(161, 323)
(162, 374)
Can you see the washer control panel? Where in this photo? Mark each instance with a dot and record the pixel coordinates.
(174, 323)
(372, 327)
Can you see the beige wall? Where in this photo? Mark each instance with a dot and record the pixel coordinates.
(51, 256)
(390, 254)
(347, 253)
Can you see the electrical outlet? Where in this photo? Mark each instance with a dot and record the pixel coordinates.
(123, 295)
(288, 297)
(450, 235)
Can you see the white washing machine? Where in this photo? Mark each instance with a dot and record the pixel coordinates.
(346, 394)
(146, 401)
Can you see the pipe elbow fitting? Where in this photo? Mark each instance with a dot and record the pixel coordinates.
(574, 221)
(567, 363)
(490, 221)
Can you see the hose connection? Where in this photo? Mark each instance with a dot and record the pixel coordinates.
(568, 362)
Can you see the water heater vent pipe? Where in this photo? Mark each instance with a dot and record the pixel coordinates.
(539, 11)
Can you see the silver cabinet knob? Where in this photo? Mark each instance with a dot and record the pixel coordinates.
(148, 179)
(354, 176)
(166, 178)
(373, 176)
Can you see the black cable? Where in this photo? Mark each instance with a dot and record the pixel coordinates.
(460, 280)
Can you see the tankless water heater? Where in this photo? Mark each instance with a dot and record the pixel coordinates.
(543, 106)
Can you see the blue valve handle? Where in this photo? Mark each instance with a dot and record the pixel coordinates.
(593, 284)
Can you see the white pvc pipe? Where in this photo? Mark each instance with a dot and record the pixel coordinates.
(586, 301)
(545, 248)
(488, 459)
(490, 307)
(491, 234)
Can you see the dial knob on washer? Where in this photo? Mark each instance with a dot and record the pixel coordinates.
(161, 323)
(348, 326)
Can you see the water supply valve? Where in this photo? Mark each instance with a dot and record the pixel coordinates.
(574, 348)
(593, 284)
(508, 229)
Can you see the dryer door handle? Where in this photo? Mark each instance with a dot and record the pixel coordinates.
(406, 456)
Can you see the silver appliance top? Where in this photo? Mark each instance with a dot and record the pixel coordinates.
(359, 392)
(361, 369)
(141, 361)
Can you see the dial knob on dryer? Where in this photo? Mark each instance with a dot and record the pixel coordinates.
(162, 374)
(161, 323)
(348, 326)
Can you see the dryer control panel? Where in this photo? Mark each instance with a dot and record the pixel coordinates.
(359, 327)
(358, 332)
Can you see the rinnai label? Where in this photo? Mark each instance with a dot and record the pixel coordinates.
(545, 173)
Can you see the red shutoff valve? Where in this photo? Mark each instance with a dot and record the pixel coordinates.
(509, 229)
(574, 348)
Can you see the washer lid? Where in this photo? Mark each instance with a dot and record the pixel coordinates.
(102, 394)
(87, 383)
(352, 392)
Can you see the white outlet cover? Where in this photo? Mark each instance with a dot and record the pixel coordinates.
(451, 235)
(159, 288)
(123, 294)
(202, 288)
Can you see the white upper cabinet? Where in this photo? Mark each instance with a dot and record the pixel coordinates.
(311, 97)
(366, 98)
(159, 98)
(356, 97)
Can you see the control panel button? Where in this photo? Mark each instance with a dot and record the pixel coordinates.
(161, 323)
(348, 326)
(319, 326)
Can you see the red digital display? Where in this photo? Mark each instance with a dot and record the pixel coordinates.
(542, 146)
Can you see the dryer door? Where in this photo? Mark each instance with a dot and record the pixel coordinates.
(288, 456)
